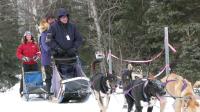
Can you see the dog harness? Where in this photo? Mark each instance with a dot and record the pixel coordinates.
(167, 81)
(127, 91)
(183, 87)
(144, 94)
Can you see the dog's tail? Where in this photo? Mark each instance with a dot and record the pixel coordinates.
(93, 65)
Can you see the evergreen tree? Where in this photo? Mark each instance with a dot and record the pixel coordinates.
(143, 25)
(8, 43)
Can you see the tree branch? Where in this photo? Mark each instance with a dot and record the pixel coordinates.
(104, 11)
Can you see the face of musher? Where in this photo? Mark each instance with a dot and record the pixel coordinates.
(156, 88)
(64, 19)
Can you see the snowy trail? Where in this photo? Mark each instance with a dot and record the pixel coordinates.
(10, 101)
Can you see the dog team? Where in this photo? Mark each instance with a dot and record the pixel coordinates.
(138, 88)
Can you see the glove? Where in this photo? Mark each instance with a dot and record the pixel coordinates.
(72, 52)
(58, 52)
(25, 59)
(35, 58)
(53, 52)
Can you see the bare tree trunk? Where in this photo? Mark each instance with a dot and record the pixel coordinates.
(30, 12)
(94, 15)
(96, 22)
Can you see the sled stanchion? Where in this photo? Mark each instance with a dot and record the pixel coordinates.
(110, 62)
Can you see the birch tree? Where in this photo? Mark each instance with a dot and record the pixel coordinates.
(102, 13)
(94, 15)
(31, 11)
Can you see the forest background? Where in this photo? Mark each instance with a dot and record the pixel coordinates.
(132, 29)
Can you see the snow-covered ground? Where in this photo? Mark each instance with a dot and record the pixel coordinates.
(10, 101)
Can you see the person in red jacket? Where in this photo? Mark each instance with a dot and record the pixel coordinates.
(28, 52)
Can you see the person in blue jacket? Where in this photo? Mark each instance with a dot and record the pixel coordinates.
(63, 39)
(45, 50)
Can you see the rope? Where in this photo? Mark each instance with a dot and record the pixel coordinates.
(172, 48)
(140, 61)
(163, 69)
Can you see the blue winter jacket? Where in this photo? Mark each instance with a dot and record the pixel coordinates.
(64, 36)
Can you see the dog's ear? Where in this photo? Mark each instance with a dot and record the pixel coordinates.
(130, 66)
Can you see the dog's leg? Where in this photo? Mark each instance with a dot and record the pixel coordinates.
(162, 104)
(138, 105)
(107, 100)
(103, 107)
(130, 102)
(150, 109)
(138, 109)
(99, 100)
(108, 94)
(178, 104)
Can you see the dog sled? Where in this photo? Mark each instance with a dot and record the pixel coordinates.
(33, 84)
(73, 85)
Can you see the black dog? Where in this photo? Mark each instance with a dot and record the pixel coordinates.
(126, 78)
(129, 74)
(103, 84)
(138, 90)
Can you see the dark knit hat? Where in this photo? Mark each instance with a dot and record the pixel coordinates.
(62, 12)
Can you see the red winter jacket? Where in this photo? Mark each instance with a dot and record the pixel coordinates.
(28, 49)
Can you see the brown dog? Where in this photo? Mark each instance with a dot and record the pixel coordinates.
(182, 90)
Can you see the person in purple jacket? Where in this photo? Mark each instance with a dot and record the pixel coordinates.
(45, 50)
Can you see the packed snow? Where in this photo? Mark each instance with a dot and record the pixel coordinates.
(10, 101)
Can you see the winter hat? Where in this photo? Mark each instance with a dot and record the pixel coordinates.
(27, 33)
(48, 16)
(62, 12)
